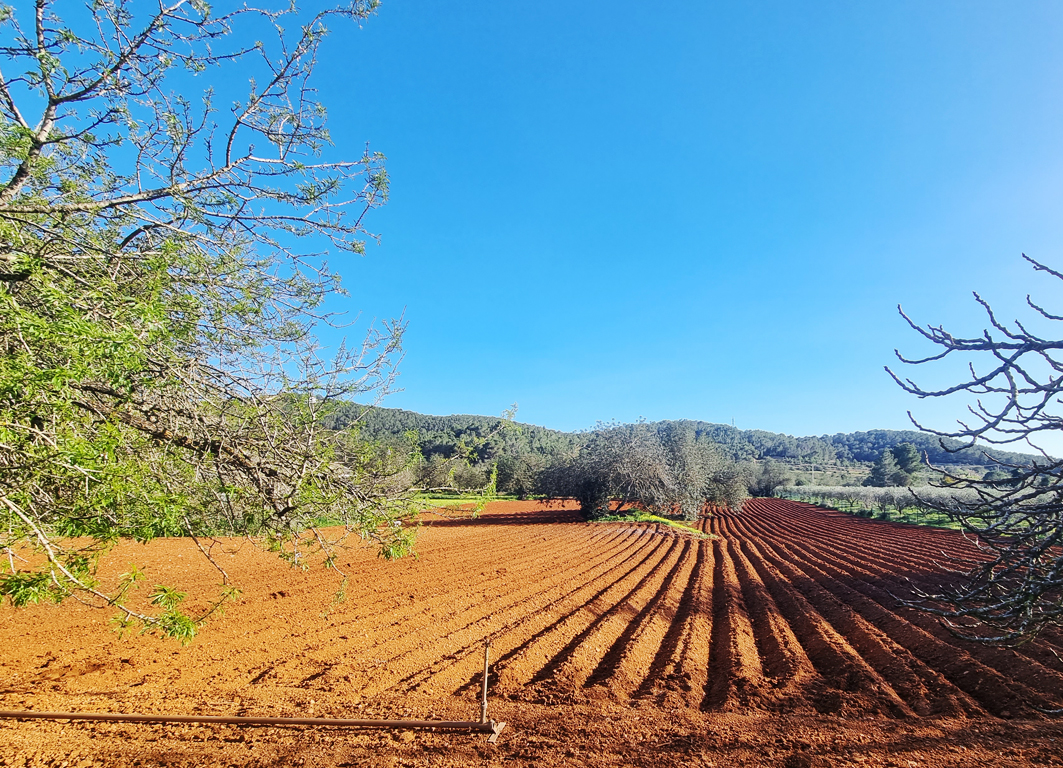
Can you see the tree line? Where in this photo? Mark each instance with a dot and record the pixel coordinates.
(666, 466)
(444, 434)
(474, 453)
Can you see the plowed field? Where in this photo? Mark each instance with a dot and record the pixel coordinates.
(782, 641)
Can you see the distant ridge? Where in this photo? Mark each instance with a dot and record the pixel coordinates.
(438, 434)
(867, 446)
(850, 447)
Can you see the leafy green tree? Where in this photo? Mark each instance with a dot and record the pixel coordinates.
(456, 461)
(689, 466)
(624, 463)
(767, 476)
(469, 477)
(728, 485)
(516, 474)
(699, 472)
(435, 473)
(160, 288)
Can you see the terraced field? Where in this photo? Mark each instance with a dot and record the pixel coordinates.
(791, 614)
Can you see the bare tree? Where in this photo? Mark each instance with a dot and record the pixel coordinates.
(1015, 380)
(161, 278)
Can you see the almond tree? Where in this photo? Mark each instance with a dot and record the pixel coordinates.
(1014, 384)
(161, 279)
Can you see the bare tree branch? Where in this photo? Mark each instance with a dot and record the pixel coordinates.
(1016, 589)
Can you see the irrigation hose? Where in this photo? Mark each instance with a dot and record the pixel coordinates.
(490, 726)
(482, 726)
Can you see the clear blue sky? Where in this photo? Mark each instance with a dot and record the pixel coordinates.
(697, 210)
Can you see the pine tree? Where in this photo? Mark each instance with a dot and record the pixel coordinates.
(908, 459)
(886, 471)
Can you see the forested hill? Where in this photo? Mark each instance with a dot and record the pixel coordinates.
(854, 446)
(868, 446)
(441, 434)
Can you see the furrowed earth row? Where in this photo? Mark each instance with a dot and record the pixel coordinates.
(827, 563)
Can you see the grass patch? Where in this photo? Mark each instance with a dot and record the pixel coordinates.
(646, 517)
(447, 503)
(457, 499)
(473, 503)
(917, 517)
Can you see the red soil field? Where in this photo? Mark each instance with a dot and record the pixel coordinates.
(782, 642)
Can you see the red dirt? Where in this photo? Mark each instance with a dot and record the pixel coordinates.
(781, 643)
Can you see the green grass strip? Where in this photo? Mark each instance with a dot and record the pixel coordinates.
(645, 517)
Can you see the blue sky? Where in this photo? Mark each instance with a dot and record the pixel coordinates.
(696, 210)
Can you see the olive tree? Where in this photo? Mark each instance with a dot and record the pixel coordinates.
(767, 476)
(516, 473)
(622, 463)
(162, 276)
(1013, 384)
(662, 469)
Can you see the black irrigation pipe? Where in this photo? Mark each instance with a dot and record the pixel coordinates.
(482, 726)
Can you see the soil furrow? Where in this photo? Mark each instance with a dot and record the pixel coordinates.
(883, 586)
(846, 680)
(516, 624)
(623, 667)
(735, 672)
(943, 698)
(529, 655)
(784, 660)
(373, 645)
(569, 669)
(681, 663)
(994, 693)
(888, 659)
(893, 560)
(465, 631)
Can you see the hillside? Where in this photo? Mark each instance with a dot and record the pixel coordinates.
(867, 446)
(440, 435)
(492, 436)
